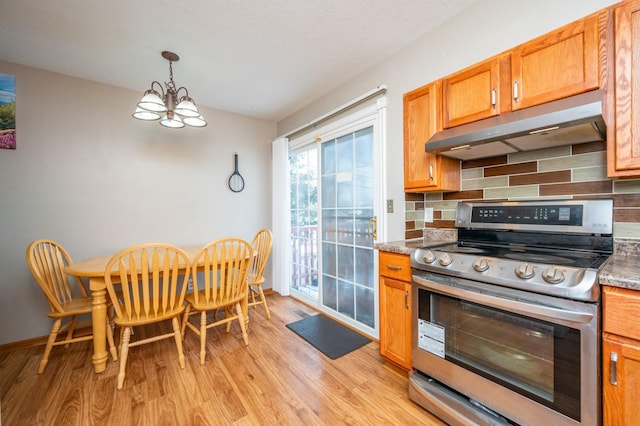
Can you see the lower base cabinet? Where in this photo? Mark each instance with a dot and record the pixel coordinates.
(395, 308)
(621, 357)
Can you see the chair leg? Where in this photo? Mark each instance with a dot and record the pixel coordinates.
(72, 327)
(253, 296)
(264, 302)
(124, 351)
(178, 335)
(203, 335)
(243, 327)
(112, 344)
(50, 341)
(228, 311)
(185, 319)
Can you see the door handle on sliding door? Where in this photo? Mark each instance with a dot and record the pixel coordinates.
(372, 228)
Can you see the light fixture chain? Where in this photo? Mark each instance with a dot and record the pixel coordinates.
(171, 85)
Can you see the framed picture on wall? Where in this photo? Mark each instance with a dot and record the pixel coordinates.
(7, 111)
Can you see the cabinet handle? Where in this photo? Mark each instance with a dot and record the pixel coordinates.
(431, 171)
(394, 268)
(515, 91)
(406, 299)
(613, 374)
(493, 98)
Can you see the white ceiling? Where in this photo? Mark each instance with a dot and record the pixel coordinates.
(260, 58)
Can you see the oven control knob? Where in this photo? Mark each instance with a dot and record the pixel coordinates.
(429, 257)
(480, 265)
(525, 271)
(446, 259)
(553, 275)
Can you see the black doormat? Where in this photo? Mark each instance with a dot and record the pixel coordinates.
(328, 336)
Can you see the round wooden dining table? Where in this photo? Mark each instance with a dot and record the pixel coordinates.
(94, 269)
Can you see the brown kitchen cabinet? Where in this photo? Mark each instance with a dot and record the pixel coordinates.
(621, 356)
(425, 171)
(623, 150)
(474, 93)
(395, 308)
(558, 64)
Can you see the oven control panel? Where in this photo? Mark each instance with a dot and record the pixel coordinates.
(548, 215)
(575, 216)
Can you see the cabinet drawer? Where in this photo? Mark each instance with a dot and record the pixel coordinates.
(621, 312)
(394, 265)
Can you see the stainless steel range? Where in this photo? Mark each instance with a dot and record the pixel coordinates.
(506, 320)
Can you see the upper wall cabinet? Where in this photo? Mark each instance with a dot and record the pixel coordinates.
(475, 92)
(556, 65)
(623, 150)
(424, 171)
(559, 64)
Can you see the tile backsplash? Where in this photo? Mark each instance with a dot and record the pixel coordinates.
(566, 172)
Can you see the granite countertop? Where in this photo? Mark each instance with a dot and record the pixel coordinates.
(402, 247)
(621, 270)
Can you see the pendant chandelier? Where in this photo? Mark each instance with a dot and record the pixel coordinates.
(173, 110)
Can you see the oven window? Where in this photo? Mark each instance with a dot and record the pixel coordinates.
(535, 358)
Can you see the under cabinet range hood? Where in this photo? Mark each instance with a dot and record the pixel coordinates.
(568, 121)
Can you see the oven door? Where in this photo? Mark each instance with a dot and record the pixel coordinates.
(529, 357)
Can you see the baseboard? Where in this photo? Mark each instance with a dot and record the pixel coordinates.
(38, 341)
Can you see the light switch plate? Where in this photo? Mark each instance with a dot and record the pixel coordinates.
(428, 214)
(389, 206)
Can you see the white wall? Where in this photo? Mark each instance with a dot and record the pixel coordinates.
(487, 28)
(88, 175)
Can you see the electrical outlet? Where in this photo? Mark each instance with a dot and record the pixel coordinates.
(389, 206)
(190, 285)
(428, 214)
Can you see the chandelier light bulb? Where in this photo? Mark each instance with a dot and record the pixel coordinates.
(142, 114)
(171, 120)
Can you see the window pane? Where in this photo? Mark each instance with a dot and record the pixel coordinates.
(365, 306)
(329, 191)
(346, 298)
(345, 262)
(364, 188)
(345, 188)
(329, 259)
(345, 153)
(364, 147)
(364, 267)
(328, 157)
(362, 218)
(345, 226)
(329, 225)
(329, 292)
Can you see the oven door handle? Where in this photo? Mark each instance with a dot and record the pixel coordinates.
(510, 305)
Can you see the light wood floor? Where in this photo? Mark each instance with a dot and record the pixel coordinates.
(278, 379)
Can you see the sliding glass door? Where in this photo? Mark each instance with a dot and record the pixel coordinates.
(334, 192)
(346, 231)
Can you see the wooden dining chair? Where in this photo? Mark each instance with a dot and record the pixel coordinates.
(219, 273)
(67, 296)
(147, 283)
(261, 244)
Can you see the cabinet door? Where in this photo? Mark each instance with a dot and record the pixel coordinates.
(395, 321)
(556, 65)
(425, 171)
(626, 151)
(471, 94)
(620, 380)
